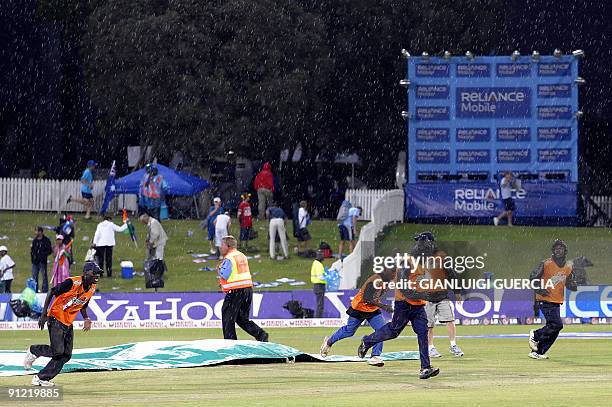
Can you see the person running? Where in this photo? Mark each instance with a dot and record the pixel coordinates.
(71, 297)
(366, 306)
(409, 307)
(505, 186)
(558, 272)
(87, 187)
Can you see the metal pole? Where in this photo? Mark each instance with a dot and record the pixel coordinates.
(195, 201)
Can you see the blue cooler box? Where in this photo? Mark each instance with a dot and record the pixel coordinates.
(127, 270)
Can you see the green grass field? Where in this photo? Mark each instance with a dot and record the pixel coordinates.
(512, 252)
(493, 372)
(183, 273)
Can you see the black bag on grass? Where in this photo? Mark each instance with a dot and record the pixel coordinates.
(154, 273)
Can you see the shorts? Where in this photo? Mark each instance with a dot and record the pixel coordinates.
(509, 204)
(303, 235)
(245, 233)
(442, 309)
(345, 233)
(86, 195)
(219, 235)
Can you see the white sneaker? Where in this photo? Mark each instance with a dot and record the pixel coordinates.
(43, 383)
(29, 360)
(376, 361)
(536, 355)
(325, 348)
(433, 353)
(532, 342)
(456, 350)
(495, 221)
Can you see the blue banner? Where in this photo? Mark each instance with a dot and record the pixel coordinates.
(432, 113)
(493, 102)
(473, 156)
(473, 135)
(433, 135)
(522, 111)
(513, 134)
(432, 92)
(475, 200)
(433, 156)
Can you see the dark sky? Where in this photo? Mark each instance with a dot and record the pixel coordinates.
(27, 68)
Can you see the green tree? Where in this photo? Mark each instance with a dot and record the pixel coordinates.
(205, 77)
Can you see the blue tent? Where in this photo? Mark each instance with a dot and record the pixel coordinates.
(179, 183)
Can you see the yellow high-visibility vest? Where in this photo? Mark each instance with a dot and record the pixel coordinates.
(316, 273)
(240, 276)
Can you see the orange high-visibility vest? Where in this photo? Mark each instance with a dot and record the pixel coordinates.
(65, 307)
(557, 275)
(240, 276)
(416, 275)
(358, 303)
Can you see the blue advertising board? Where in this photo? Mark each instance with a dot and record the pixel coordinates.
(492, 114)
(478, 200)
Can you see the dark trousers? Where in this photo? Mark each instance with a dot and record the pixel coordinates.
(60, 350)
(547, 335)
(5, 286)
(404, 313)
(104, 254)
(319, 291)
(40, 268)
(235, 310)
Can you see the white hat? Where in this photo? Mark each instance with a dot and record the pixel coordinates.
(59, 237)
(217, 199)
(3, 249)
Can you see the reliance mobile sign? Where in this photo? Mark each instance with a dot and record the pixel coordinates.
(494, 102)
(516, 108)
(481, 199)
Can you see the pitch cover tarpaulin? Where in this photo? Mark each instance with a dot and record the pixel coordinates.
(176, 354)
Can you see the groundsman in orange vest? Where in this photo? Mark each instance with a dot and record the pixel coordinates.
(554, 275)
(71, 297)
(235, 281)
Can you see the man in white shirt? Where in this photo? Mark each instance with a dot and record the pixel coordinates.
(303, 235)
(6, 270)
(222, 223)
(505, 186)
(156, 237)
(104, 241)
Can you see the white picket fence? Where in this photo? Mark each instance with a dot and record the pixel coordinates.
(387, 209)
(20, 194)
(605, 203)
(366, 198)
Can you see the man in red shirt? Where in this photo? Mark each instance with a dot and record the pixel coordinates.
(264, 185)
(245, 218)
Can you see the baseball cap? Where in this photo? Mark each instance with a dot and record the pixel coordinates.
(217, 199)
(91, 163)
(59, 237)
(3, 249)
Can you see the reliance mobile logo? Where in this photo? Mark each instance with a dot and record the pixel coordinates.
(493, 102)
(514, 96)
(481, 199)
